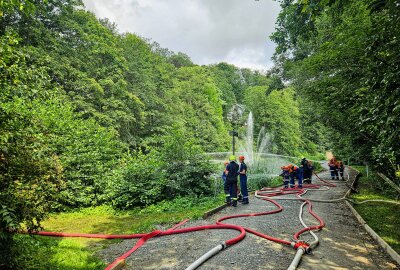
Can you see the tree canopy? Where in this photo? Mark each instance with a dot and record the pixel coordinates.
(342, 58)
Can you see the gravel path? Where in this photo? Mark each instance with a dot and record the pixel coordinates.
(344, 244)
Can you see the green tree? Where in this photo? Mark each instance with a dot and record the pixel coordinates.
(196, 102)
(343, 63)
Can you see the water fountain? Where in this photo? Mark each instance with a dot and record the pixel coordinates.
(262, 165)
(261, 162)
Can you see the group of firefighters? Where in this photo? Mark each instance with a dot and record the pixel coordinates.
(336, 167)
(290, 173)
(303, 173)
(230, 176)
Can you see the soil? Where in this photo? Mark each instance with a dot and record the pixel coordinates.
(344, 244)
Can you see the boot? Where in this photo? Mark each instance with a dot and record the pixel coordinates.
(245, 201)
(228, 200)
(234, 203)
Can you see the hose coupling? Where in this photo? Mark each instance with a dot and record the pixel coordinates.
(303, 245)
(224, 245)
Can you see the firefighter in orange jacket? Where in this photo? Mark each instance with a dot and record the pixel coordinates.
(333, 168)
(294, 172)
(285, 175)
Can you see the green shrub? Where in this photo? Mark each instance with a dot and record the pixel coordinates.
(191, 177)
(179, 169)
(139, 181)
(256, 183)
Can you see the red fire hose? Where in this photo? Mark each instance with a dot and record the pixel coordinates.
(264, 194)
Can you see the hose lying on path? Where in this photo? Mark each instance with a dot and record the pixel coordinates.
(145, 237)
(215, 250)
(265, 194)
(302, 247)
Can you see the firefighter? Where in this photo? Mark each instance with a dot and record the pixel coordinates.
(303, 168)
(224, 179)
(230, 187)
(223, 176)
(294, 173)
(285, 175)
(341, 169)
(333, 168)
(308, 171)
(243, 180)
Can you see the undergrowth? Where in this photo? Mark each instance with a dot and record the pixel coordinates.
(383, 218)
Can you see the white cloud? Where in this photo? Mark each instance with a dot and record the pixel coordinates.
(209, 31)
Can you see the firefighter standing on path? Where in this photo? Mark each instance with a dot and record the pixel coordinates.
(243, 180)
(333, 168)
(303, 169)
(232, 171)
(341, 169)
(223, 176)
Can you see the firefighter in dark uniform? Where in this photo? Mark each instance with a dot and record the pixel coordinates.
(243, 180)
(232, 172)
(303, 169)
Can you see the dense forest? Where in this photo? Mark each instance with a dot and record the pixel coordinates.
(92, 116)
(342, 57)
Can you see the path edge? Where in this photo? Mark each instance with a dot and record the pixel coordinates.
(213, 211)
(382, 243)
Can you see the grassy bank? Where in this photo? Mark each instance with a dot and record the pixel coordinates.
(38, 252)
(382, 217)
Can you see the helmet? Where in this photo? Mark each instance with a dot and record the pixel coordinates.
(232, 158)
(241, 157)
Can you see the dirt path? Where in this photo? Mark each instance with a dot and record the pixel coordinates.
(344, 244)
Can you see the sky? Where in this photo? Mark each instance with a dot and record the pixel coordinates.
(208, 31)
